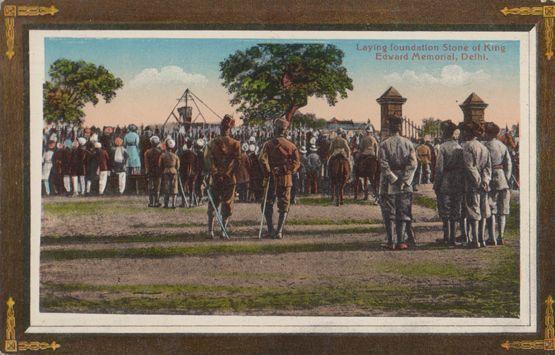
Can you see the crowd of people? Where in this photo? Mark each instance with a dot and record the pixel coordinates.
(472, 169)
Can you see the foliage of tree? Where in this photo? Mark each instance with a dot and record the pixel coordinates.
(308, 120)
(72, 85)
(431, 126)
(271, 80)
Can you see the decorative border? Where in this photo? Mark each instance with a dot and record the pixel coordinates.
(11, 345)
(548, 13)
(546, 344)
(11, 12)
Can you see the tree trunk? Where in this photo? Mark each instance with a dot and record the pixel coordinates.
(289, 114)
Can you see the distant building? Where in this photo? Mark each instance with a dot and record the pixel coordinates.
(347, 125)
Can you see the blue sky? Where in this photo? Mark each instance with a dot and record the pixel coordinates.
(156, 71)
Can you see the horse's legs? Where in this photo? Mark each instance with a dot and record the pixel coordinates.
(341, 191)
(365, 188)
(332, 190)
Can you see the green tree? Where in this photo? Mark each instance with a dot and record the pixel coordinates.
(431, 126)
(308, 120)
(72, 85)
(271, 80)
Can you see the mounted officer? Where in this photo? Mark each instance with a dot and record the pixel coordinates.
(222, 159)
(340, 146)
(280, 159)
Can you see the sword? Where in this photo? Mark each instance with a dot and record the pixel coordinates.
(182, 191)
(264, 209)
(216, 211)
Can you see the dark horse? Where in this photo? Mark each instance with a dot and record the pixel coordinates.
(367, 170)
(189, 171)
(339, 172)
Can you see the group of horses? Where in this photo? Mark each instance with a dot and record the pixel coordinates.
(366, 176)
(366, 172)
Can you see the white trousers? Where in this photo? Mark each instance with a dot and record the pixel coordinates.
(78, 185)
(103, 178)
(67, 183)
(121, 182)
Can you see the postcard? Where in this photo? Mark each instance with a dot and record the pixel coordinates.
(234, 181)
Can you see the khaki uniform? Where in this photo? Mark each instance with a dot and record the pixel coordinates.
(340, 146)
(152, 170)
(502, 169)
(397, 166)
(169, 166)
(222, 158)
(477, 166)
(280, 159)
(449, 180)
(368, 146)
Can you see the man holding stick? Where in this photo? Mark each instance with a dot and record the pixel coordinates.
(222, 158)
(279, 159)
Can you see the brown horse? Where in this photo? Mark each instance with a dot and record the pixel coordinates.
(189, 171)
(367, 170)
(339, 172)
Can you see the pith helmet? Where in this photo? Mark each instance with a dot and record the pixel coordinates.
(281, 124)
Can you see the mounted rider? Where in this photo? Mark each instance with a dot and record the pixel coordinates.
(339, 146)
(368, 145)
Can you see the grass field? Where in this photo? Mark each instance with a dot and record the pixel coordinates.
(330, 263)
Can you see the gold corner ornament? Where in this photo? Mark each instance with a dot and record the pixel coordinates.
(548, 14)
(13, 11)
(11, 345)
(546, 344)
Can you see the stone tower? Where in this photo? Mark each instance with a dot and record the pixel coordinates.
(391, 103)
(473, 108)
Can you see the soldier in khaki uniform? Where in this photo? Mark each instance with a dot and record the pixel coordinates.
(169, 165)
(500, 193)
(222, 159)
(340, 146)
(153, 172)
(280, 159)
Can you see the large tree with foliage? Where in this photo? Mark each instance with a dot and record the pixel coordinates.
(271, 80)
(72, 85)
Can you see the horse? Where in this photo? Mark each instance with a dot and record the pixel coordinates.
(367, 170)
(339, 173)
(189, 171)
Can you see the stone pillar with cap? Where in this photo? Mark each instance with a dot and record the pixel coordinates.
(473, 109)
(391, 103)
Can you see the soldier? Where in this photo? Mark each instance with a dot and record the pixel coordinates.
(477, 167)
(313, 167)
(222, 158)
(255, 175)
(153, 172)
(424, 157)
(280, 159)
(168, 164)
(499, 193)
(368, 145)
(449, 181)
(47, 163)
(397, 158)
(339, 146)
(242, 174)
